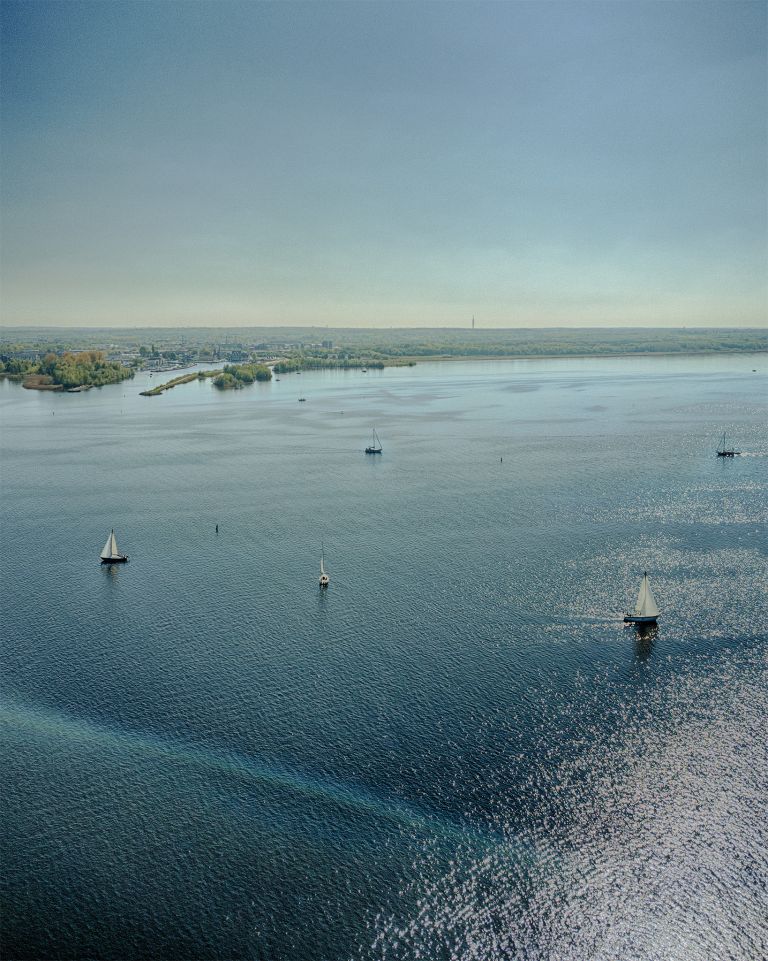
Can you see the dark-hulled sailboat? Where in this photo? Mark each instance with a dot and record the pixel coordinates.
(723, 451)
(375, 445)
(646, 610)
(110, 554)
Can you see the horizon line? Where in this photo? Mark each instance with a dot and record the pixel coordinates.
(31, 327)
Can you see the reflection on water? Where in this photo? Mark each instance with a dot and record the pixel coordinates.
(645, 639)
(646, 632)
(651, 844)
(112, 572)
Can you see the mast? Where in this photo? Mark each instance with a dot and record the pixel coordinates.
(640, 602)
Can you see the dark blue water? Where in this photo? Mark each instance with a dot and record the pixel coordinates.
(456, 751)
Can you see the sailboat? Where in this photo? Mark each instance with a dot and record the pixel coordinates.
(375, 447)
(110, 553)
(646, 610)
(723, 451)
(324, 578)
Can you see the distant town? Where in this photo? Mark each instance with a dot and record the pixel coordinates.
(78, 363)
(170, 354)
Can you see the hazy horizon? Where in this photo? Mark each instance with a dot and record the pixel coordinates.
(382, 165)
(375, 327)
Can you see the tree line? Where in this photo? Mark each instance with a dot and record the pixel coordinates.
(70, 369)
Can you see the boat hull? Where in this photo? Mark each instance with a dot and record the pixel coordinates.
(632, 619)
(372, 450)
(728, 453)
(114, 560)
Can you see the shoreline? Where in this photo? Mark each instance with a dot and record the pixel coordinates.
(412, 361)
(438, 358)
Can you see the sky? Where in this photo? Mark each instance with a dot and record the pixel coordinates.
(384, 164)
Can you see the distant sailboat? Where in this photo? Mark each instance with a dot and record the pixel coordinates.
(110, 554)
(646, 610)
(723, 451)
(375, 446)
(324, 578)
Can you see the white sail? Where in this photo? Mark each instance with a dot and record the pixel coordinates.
(650, 609)
(110, 548)
(107, 552)
(645, 606)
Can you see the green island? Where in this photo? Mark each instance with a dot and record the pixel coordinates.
(66, 371)
(230, 377)
(235, 376)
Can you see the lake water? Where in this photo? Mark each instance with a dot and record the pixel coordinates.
(457, 751)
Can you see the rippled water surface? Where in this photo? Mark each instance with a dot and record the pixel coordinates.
(458, 751)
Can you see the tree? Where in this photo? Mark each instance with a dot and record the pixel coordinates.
(226, 381)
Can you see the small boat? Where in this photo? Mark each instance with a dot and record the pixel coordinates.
(302, 400)
(277, 380)
(365, 370)
(646, 611)
(723, 451)
(110, 554)
(324, 578)
(375, 446)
